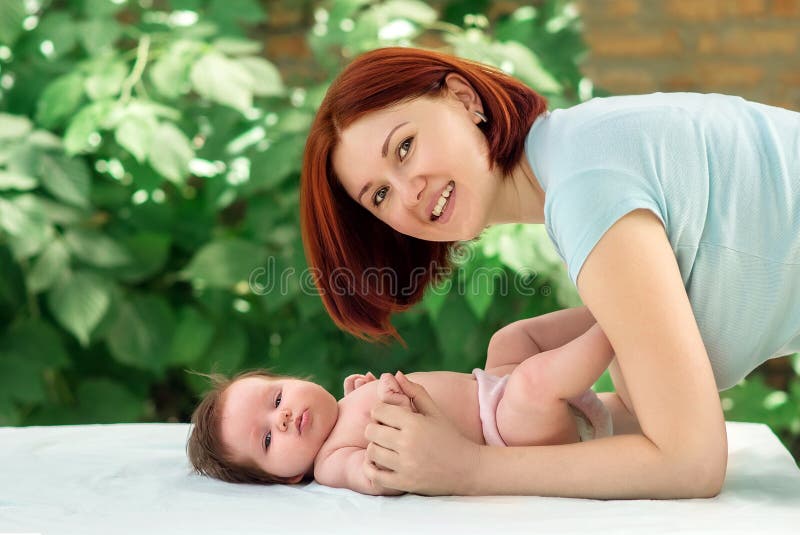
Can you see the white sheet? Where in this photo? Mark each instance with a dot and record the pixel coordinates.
(134, 478)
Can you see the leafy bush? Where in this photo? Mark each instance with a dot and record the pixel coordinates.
(149, 165)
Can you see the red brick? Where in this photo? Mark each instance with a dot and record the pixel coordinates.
(615, 44)
(280, 15)
(287, 47)
(714, 10)
(747, 42)
(786, 8)
(609, 8)
(622, 80)
(721, 74)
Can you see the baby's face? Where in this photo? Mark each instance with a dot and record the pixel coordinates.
(277, 424)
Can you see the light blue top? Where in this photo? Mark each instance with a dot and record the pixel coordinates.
(722, 174)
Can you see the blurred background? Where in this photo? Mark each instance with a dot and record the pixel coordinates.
(149, 164)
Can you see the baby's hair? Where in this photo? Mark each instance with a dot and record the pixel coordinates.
(205, 448)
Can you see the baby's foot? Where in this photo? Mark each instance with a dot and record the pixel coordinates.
(389, 391)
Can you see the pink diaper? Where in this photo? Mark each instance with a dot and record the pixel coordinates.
(591, 416)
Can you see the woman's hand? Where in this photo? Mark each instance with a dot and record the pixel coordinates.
(420, 452)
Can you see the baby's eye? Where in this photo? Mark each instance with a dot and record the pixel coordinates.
(278, 399)
(267, 440)
(380, 195)
(405, 145)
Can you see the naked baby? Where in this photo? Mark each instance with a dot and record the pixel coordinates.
(273, 429)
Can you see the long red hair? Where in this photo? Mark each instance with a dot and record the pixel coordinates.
(343, 241)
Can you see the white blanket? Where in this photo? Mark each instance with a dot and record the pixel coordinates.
(135, 478)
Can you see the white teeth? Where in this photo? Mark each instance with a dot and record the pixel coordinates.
(440, 204)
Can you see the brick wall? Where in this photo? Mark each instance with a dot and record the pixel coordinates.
(749, 48)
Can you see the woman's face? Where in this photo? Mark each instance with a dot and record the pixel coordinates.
(399, 161)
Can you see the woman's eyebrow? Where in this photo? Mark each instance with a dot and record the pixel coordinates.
(386, 143)
(384, 151)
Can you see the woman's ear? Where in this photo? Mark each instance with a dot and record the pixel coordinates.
(459, 88)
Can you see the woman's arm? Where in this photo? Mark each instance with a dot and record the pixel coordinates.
(632, 284)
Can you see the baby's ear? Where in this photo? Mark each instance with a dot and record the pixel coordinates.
(296, 479)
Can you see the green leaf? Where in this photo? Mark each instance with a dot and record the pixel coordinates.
(66, 178)
(142, 331)
(170, 153)
(88, 121)
(191, 339)
(105, 401)
(53, 261)
(135, 134)
(11, 180)
(273, 165)
(480, 290)
(225, 354)
(59, 28)
(27, 225)
(12, 13)
(230, 15)
(14, 126)
(149, 252)
(96, 248)
(266, 77)
(526, 66)
(20, 379)
(232, 46)
(106, 82)
(102, 9)
(35, 340)
(98, 35)
(60, 99)
(79, 301)
(224, 263)
(223, 80)
(170, 73)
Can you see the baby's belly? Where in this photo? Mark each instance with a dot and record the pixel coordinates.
(456, 394)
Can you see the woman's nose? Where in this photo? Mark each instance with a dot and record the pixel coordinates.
(411, 190)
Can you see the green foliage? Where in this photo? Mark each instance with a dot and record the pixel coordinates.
(149, 166)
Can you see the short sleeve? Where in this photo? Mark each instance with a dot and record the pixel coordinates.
(581, 208)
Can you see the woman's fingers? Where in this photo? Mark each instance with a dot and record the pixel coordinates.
(420, 399)
(385, 459)
(391, 415)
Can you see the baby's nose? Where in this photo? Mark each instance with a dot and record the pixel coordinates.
(286, 419)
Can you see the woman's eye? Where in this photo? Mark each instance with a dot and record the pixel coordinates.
(278, 399)
(380, 195)
(267, 440)
(405, 145)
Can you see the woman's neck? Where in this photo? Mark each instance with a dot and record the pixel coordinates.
(519, 198)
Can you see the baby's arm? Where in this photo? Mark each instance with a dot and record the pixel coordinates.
(344, 468)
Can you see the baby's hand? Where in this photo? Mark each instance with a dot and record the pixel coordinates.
(389, 391)
(352, 382)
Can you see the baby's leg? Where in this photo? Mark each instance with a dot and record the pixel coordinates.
(389, 391)
(528, 415)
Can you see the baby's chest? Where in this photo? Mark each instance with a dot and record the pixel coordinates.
(354, 416)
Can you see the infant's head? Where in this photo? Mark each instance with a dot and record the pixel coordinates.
(259, 427)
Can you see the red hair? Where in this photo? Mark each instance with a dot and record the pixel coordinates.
(343, 241)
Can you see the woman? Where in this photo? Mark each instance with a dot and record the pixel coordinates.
(677, 215)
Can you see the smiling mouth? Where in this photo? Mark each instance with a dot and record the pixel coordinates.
(444, 198)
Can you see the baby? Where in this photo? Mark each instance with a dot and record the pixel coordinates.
(264, 428)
